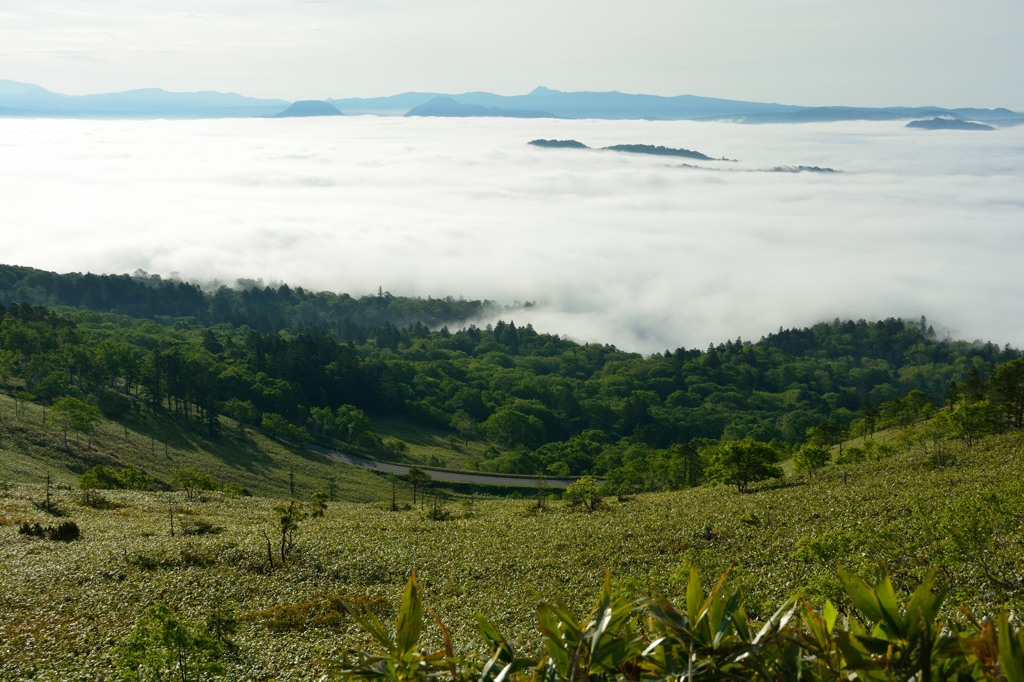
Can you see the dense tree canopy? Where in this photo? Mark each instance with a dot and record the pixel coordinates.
(290, 362)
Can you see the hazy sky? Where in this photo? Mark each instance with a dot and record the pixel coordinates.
(619, 248)
(812, 52)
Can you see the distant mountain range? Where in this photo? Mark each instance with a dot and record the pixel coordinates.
(446, 106)
(618, 105)
(27, 100)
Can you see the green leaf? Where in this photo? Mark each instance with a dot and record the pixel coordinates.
(925, 602)
(616, 655)
(372, 625)
(778, 621)
(885, 596)
(816, 626)
(830, 614)
(1011, 649)
(723, 616)
(495, 640)
(553, 638)
(694, 597)
(570, 629)
(513, 668)
(410, 618)
(861, 594)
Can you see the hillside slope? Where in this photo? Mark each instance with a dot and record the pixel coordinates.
(491, 556)
(30, 450)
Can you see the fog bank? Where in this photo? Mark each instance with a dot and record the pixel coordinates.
(618, 248)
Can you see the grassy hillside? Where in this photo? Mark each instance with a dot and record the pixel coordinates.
(159, 446)
(64, 606)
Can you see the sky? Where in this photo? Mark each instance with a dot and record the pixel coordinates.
(809, 52)
(617, 248)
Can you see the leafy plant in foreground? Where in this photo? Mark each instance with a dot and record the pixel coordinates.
(402, 659)
(902, 642)
(712, 638)
(605, 642)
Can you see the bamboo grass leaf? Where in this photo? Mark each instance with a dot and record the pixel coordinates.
(1011, 649)
(926, 601)
(694, 597)
(861, 594)
(778, 621)
(725, 618)
(885, 596)
(376, 629)
(816, 626)
(410, 618)
(497, 642)
(830, 614)
(449, 650)
(513, 668)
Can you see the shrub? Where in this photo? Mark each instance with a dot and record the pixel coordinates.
(394, 447)
(165, 646)
(199, 527)
(91, 498)
(278, 426)
(585, 492)
(851, 455)
(31, 529)
(192, 482)
(100, 477)
(438, 512)
(810, 458)
(318, 505)
(66, 531)
(331, 610)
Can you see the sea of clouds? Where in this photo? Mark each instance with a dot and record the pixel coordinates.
(618, 248)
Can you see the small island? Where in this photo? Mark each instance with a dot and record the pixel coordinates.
(658, 150)
(559, 144)
(802, 169)
(309, 107)
(939, 123)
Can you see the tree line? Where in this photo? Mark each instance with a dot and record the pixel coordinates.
(250, 302)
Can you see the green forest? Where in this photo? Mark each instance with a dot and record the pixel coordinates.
(163, 460)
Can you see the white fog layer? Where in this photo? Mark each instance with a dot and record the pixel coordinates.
(618, 248)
